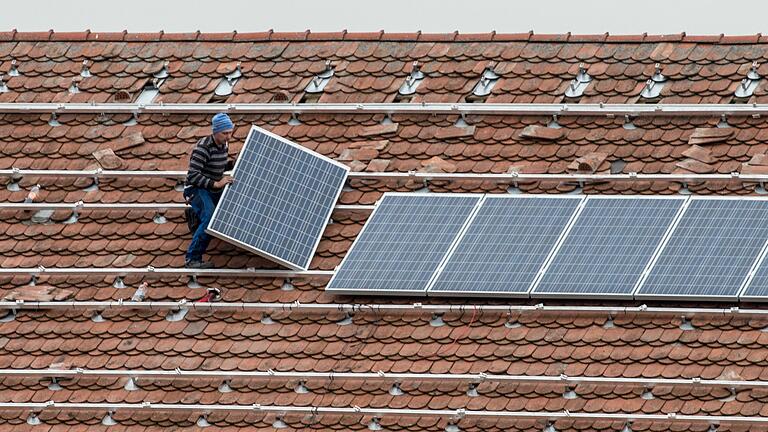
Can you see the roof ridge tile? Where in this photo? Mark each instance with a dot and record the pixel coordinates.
(455, 36)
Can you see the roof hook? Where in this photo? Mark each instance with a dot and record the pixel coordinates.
(14, 71)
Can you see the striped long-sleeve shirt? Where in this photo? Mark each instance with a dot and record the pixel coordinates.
(207, 163)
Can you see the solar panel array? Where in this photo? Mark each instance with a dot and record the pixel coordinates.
(281, 200)
(692, 248)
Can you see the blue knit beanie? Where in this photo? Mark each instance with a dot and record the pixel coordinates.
(221, 122)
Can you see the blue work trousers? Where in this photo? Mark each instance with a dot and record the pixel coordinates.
(203, 203)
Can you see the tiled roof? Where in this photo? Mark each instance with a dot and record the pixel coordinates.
(368, 68)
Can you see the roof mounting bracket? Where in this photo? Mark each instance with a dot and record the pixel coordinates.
(301, 388)
(347, 320)
(451, 427)
(73, 88)
(54, 384)
(318, 83)
(8, 316)
(159, 218)
(487, 81)
(3, 87)
(33, 419)
(131, 384)
(748, 85)
(118, 283)
(224, 387)
(628, 122)
(107, 420)
(202, 421)
(554, 123)
(412, 81)
(54, 121)
(163, 72)
(579, 84)
(294, 120)
(85, 72)
(396, 390)
(13, 185)
(374, 424)
(723, 124)
(279, 423)
(178, 314)
(287, 285)
(654, 85)
(437, 320)
(133, 120)
(228, 82)
(14, 70)
(193, 283)
(95, 185)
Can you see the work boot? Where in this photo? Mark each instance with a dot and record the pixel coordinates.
(198, 264)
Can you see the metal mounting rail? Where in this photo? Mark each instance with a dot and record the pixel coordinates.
(397, 378)
(350, 308)
(599, 109)
(78, 206)
(413, 175)
(453, 416)
(163, 272)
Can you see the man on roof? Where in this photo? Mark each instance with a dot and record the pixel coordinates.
(204, 184)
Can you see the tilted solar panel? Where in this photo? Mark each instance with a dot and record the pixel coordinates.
(711, 251)
(400, 247)
(607, 248)
(505, 245)
(281, 200)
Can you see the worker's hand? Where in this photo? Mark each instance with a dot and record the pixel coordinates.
(223, 182)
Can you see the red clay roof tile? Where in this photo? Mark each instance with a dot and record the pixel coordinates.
(534, 68)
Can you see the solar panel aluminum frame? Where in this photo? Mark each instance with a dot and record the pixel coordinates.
(356, 291)
(452, 250)
(261, 253)
(563, 238)
(667, 297)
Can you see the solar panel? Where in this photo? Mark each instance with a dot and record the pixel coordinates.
(403, 243)
(608, 247)
(505, 245)
(281, 199)
(711, 250)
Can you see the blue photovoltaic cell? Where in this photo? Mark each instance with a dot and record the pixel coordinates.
(402, 244)
(281, 199)
(505, 245)
(608, 247)
(711, 250)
